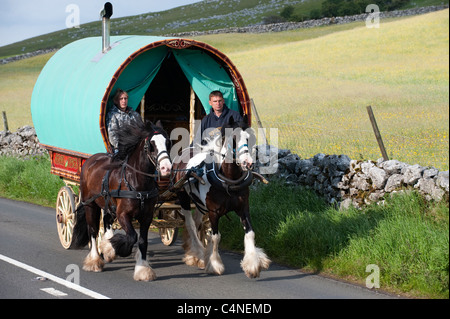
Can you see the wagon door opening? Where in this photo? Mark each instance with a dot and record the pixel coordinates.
(179, 93)
(171, 99)
(172, 84)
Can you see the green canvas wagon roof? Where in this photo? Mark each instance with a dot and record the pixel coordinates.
(75, 88)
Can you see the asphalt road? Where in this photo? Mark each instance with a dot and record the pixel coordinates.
(33, 264)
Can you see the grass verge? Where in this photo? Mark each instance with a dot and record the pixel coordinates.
(29, 180)
(407, 238)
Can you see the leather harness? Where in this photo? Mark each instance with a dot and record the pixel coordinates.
(131, 193)
(119, 193)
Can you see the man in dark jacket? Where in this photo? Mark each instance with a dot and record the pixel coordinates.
(218, 116)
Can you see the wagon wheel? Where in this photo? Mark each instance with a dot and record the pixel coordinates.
(168, 234)
(65, 216)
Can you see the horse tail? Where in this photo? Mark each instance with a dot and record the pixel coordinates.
(80, 231)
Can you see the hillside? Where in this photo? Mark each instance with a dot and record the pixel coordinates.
(204, 15)
(314, 86)
(201, 16)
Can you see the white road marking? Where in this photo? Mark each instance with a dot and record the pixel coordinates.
(54, 292)
(58, 280)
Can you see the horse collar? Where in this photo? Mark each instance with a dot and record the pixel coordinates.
(220, 181)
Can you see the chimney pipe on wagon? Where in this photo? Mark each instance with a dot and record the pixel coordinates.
(105, 14)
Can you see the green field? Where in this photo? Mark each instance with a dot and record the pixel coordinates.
(316, 89)
(314, 86)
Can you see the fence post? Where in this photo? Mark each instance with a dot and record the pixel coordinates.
(258, 120)
(5, 121)
(377, 133)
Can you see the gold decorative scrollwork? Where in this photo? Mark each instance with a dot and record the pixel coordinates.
(179, 43)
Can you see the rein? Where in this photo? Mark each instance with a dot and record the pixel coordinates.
(140, 172)
(152, 161)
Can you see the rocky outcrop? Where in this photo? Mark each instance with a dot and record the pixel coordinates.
(345, 182)
(285, 26)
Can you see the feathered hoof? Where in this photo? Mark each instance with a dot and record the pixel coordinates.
(254, 263)
(215, 267)
(144, 273)
(108, 252)
(194, 261)
(95, 264)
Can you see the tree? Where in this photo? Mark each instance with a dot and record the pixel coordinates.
(272, 19)
(315, 14)
(330, 7)
(287, 12)
(333, 8)
(348, 8)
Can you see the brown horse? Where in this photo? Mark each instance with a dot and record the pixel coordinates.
(123, 186)
(225, 165)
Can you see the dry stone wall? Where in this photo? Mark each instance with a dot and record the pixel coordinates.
(22, 143)
(345, 182)
(339, 179)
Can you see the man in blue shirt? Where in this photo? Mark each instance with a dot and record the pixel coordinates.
(219, 115)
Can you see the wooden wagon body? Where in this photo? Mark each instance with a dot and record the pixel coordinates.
(167, 79)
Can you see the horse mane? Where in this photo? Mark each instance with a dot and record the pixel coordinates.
(131, 135)
(243, 124)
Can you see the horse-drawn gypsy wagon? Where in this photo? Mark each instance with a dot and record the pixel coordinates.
(167, 79)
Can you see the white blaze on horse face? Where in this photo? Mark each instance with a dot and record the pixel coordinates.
(245, 158)
(165, 166)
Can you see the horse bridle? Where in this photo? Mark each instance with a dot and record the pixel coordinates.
(236, 152)
(155, 160)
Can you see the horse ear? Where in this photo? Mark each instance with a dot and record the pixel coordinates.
(231, 121)
(159, 124)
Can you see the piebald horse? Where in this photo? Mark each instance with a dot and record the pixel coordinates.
(123, 186)
(224, 165)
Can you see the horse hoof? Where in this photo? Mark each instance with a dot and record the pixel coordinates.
(108, 252)
(93, 264)
(215, 268)
(201, 264)
(144, 273)
(194, 261)
(190, 260)
(252, 264)
(253, 275)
